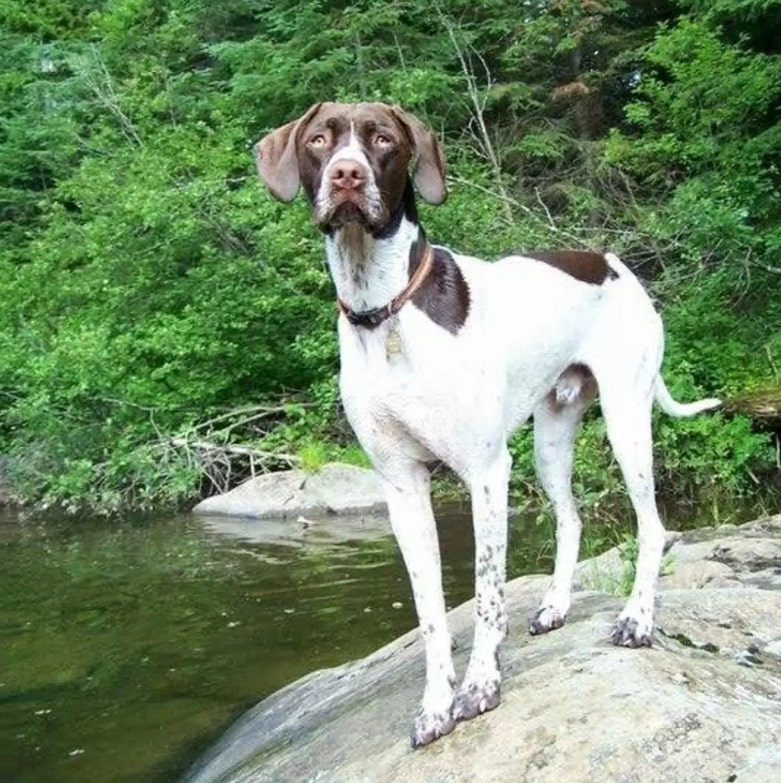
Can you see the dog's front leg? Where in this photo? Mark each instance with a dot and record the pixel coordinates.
(407, 489)
(480, 690)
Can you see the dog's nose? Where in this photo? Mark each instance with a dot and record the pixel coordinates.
(348, 174)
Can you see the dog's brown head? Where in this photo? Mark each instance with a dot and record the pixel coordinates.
(353, 161)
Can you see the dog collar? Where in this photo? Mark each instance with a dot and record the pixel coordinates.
(371, 319)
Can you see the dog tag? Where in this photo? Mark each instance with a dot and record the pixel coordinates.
(392, 343)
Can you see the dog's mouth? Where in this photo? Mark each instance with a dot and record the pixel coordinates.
(349, 211)
(350, 208)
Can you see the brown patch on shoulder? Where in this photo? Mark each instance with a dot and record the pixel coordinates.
(444, 296)
(583, 265)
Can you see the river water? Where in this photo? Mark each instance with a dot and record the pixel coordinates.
(126, 648)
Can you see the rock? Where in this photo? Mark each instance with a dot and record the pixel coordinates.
(726, 556)
(336, 489)
(704, 704)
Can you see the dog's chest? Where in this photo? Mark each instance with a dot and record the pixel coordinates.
(396, 365)
(414, 386)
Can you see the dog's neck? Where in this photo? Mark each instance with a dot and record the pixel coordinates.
(369, 272)
(370, 269)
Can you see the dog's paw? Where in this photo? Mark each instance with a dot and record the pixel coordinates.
(472, 700)
(546, 618)
(431, 726)
(630, 632)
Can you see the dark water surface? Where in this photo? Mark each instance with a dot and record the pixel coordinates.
(127, 648)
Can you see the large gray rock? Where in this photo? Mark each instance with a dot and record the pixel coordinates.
(704, 704)
(336, 489)
(726, 556)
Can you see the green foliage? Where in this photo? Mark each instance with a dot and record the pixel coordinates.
(157, 309)
(705, 144)
(620, 580)
(628, 551)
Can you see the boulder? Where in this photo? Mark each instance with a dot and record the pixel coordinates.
(335, 489)
(704, 704)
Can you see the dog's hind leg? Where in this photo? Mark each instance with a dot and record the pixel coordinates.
(407, 490)
(627, 412)
(556, 423)
(480, 690)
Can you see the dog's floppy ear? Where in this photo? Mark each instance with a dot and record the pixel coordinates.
(276, 158)
(429, 160)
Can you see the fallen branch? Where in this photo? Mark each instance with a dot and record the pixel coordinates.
(225, 464)
(763, 407)
(247, 451)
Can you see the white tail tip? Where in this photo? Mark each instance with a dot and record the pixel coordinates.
(680, 409)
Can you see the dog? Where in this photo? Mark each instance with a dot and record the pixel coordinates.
(443, 356)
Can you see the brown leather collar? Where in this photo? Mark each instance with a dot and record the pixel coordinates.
(371, 319)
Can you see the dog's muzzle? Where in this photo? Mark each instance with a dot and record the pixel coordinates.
(349, 195)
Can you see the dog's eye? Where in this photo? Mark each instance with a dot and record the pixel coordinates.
(318, 141)
(382, 140)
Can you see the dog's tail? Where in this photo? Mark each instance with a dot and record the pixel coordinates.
(674, 408)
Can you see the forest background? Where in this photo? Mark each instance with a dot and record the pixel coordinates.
(166, 328)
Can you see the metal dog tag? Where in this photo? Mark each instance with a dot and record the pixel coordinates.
(392, 343)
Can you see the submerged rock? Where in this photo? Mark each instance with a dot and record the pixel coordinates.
(335, 489)
(704, 704)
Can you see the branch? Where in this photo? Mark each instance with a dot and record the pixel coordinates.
(774, 270)
(478, 108)
(245, 451)
(509, 200)
(99, 81)
(545, 207)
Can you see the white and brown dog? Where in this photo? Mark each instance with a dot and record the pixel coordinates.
(443, 356)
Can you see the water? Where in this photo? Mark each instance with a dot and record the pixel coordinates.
(127, 648)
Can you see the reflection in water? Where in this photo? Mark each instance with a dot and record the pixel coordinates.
(126, 648)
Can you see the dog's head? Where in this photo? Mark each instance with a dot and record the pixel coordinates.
(353, 161)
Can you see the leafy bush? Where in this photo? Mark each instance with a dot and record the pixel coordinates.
(165, 327)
